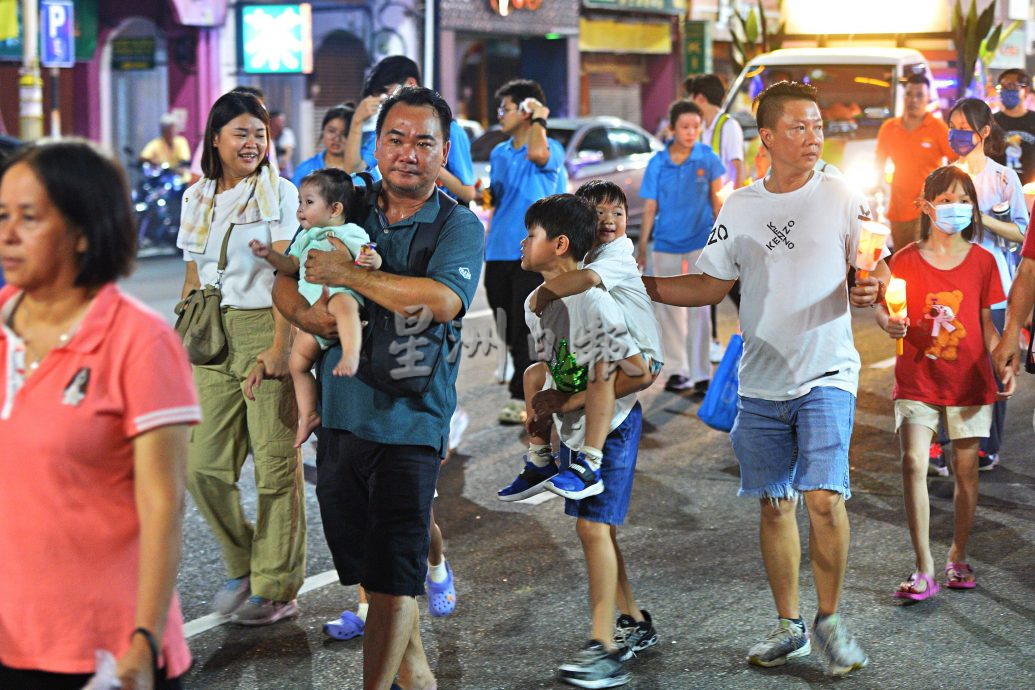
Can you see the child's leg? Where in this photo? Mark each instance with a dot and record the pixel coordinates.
(623, 591)
(964, 500)
(435, 556)
(345, 310)
(602, 571)
(535, 379)
(606, 386)
(304, 351)
(915, 440)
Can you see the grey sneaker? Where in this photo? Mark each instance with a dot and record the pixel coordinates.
(635, 637)
(234, 593)
(844, 654)
(593, 667)
(787, 641)
(259, 611)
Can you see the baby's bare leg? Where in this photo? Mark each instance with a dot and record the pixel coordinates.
(304, 351)
(345, 310)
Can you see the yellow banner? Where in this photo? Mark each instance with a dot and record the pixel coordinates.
(8, 19)
(607, 36)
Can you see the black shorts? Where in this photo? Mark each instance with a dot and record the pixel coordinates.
(375, 504)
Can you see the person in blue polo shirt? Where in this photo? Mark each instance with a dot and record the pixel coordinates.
(680, 191)
(522, 170)
(457, 175)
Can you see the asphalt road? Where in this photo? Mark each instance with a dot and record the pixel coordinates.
(691, 549)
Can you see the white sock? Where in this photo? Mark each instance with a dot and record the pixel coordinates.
(361, 612)
(594, 458)
(438, 573)
(540, 455)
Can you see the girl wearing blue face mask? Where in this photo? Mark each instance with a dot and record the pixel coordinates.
(944, 374)
(974, 135)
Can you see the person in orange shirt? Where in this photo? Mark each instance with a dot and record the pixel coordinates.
(917, 143)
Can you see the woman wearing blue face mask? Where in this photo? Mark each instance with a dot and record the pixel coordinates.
(974, 135)
(944, 372)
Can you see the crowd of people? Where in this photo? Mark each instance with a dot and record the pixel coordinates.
(335, 265)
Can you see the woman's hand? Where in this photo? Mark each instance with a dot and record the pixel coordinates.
(897, 327)
(135, 669)
(541, 298)
(274, 362)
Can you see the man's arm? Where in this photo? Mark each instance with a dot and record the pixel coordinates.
(738, 173)
(538, 145)
(315, 319)
(1018, 308)
(399, 294)
(695, 290)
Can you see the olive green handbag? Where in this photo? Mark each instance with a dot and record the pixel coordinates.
(200, 318)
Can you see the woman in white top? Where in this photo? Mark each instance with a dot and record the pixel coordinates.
(974, 136)
(242, 194)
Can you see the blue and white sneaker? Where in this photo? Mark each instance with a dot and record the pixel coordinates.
(576, 480)
(530, 482)
(844, 654)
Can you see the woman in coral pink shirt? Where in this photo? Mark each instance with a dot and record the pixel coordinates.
(95, 403)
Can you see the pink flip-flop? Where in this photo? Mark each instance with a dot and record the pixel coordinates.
(959, 576)
(912, 594)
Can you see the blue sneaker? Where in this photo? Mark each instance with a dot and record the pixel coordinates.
(530, 482)
(577, 480)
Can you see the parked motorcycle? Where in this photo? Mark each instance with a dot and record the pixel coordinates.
(157, 198)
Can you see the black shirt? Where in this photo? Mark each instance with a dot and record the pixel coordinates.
(1020, 144)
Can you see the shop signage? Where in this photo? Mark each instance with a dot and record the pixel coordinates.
(505, 7)
(697, 47)
(275, 39)
(659, 6)
(136, 53)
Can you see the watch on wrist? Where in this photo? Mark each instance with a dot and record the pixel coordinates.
(539, 121)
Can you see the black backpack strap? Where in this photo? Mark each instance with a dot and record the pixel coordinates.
(426, 237)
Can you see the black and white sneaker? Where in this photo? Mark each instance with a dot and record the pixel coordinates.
(635, 637)
(594, 667)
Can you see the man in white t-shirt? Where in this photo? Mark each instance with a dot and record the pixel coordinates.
(790, 239)
(721, 132)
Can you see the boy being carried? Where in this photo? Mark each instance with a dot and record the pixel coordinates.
(610, 264)
(583, 338)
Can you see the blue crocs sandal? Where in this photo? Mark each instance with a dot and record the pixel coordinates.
(346, 627)
(442, 595)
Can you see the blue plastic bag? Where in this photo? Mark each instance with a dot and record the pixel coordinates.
(719, 409)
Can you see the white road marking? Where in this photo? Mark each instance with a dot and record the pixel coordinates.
(884, 363)
(214, 620)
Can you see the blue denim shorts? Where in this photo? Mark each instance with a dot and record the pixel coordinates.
(617, 469)
(786, 447)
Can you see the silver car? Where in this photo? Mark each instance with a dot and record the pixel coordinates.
(605, 148)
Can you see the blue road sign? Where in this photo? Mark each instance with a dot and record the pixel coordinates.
(57, 33)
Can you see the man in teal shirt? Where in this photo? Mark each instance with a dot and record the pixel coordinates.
(378, 453)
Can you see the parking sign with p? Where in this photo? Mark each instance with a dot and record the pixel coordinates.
(57, 33)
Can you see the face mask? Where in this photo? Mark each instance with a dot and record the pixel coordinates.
(1010, 98)
(961, 141)
(953, 218)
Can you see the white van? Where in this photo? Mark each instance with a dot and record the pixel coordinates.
(859, 88)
